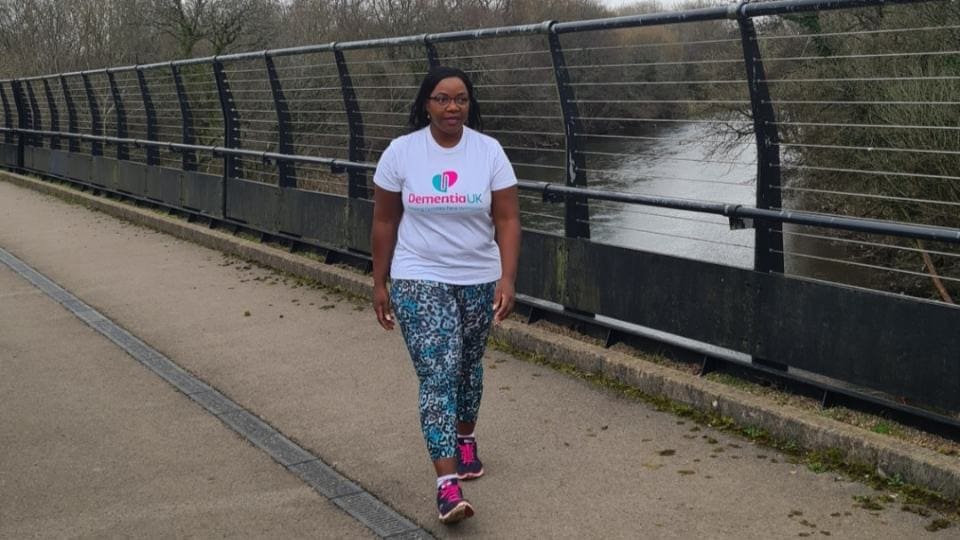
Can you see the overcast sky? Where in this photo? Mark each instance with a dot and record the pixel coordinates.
(614, 3)
(617, 3)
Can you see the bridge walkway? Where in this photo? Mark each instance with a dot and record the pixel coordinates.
(96, 445)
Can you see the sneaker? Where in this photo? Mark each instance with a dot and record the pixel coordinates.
(453, 507)
(468, 464)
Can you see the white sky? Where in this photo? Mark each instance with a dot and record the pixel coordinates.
(617, 3)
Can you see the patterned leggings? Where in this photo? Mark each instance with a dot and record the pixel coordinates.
(445, 327)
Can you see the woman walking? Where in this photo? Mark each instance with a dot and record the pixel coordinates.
(446, 230)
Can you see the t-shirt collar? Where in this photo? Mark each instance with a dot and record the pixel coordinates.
(436, 146)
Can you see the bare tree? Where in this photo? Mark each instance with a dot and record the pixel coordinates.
(219, 24)
(243, 24)
(48, 36)
(305, 22)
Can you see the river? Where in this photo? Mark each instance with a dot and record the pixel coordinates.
(681, 161)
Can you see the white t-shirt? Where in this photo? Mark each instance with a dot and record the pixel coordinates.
(446, 233)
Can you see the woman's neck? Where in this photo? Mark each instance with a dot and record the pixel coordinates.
(445, 140)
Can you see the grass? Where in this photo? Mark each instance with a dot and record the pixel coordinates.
(883, 428)
(866, 421)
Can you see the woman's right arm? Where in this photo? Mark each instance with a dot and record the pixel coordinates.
(387, 211)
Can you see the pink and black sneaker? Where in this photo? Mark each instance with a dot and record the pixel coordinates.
(468, 464)
(451, 504)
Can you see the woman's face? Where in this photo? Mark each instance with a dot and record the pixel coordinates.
(448, 118)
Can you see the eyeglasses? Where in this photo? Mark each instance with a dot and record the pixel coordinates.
(443, 100)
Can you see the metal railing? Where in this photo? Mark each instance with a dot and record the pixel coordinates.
(672, 133)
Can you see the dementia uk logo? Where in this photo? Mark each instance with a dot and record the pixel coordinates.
(442, 183)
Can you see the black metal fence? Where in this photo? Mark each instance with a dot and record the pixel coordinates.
(638, 140)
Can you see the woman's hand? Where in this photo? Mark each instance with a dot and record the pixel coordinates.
(505, 209)
(503, 300)
(387, 211)
(381, 304)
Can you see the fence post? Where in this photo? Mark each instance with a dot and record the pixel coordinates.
(123, 150)
(231, 120)
(186, 119)
(231, 131)
(7, 122)
(286, 171)
(73, 145)
(576, 209)
(433, 57)
(96, 125)
(36, 120)
(768, 246)
(18, 101)
(152, 152)
(54, 114)
(357, 179)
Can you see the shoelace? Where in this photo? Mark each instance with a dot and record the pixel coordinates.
(450, 492)
(467, 453)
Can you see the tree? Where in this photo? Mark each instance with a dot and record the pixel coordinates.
(48, 36)
(220, 25)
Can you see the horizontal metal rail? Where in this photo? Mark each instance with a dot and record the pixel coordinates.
(552, 191)
(744, 9)
(736, 211)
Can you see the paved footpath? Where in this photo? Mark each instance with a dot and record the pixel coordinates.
(92, 444)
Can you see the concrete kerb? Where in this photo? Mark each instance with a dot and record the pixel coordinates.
(893, 457)
(913, 464)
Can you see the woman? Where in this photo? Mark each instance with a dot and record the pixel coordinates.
(446, 228)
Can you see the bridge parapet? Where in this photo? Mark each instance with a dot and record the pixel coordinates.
(646, 145)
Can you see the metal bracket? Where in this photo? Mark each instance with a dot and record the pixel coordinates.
(54, 114)
(827, 400)
(285, 170)
(768, 245)
(18, 100)
(231, 121)
(433, 57)
(150, 112)
(550, 197)
(123, 152)
(535, 315)
(576, 209)
(737, 223)
(735, 11)
(96, 122)
(36, 121)
(7, 117)
(708, 365)
(187, 136)
(612, 338)
(356, 180)
(73, 144)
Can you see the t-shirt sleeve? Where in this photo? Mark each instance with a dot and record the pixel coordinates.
(387, 175)
(503, 175)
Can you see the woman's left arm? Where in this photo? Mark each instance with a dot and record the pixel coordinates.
(505, 209)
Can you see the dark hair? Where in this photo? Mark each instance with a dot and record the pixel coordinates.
(418, 111)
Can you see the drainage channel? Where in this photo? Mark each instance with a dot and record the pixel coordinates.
(348, 496)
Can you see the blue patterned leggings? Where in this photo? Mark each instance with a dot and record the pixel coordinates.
(445, 327)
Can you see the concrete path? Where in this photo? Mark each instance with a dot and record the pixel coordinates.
(564, 459)
(94, 445)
